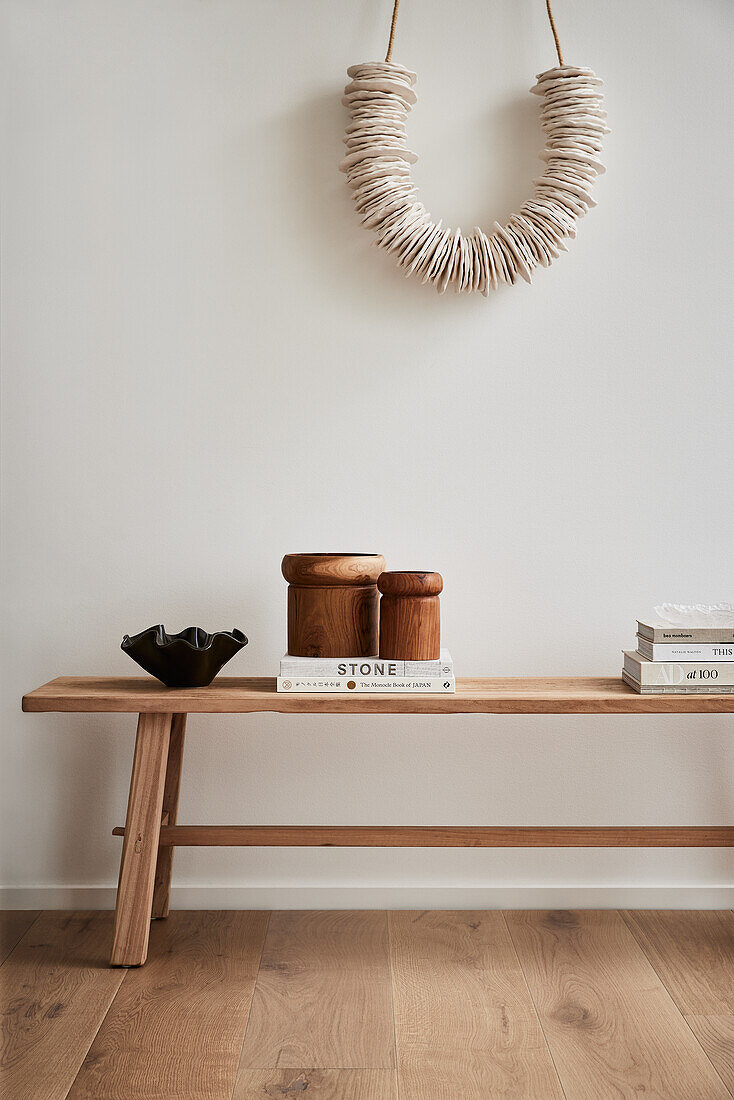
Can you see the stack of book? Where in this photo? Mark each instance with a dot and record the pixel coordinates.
(680, 659)
(367, 674)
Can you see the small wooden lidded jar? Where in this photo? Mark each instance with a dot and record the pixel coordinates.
(333, 604)
(410, 616)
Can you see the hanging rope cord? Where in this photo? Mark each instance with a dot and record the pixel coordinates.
(394, 22)
(552, 22)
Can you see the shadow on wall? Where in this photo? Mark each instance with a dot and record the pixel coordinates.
(321, 206)
(518, 138)
(85, 758)
(336, 247)
(720, 765)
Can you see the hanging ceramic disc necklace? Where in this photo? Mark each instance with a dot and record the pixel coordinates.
(378, 162)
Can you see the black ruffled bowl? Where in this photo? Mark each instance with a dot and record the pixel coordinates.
(186, 660)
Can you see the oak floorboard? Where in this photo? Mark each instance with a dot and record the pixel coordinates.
(323, 996)
(14, 923)
(693, 955)
(465, 1025)
(175, 1028)
(326, 940)
(56, 987)
(316, 1084)
(611, 1025)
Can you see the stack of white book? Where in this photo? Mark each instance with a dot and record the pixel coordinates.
(375, 675)
(680, 660)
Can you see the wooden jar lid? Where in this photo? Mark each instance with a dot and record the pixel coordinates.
(330, 570)
(410, 584)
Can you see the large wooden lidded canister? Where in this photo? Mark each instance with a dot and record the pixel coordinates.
(410, 616)
(333, 604)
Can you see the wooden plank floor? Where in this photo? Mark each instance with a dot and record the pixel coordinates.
(337, 1005)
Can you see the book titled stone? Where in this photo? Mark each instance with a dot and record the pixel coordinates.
(685, 651)
(664, 632)
(373, 685)
(678, 673)
(679, 689)
(334, 667)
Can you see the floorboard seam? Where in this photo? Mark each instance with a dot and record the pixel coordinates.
(660, 978)
(252, 998)
(392, 1005)
(124, 973)
(22, 936)
(535, 1007)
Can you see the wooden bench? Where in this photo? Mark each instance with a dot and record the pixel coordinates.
(151, 833)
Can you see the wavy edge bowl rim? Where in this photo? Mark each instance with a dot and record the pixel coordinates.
(168, 641)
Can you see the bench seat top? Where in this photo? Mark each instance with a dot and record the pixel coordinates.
(247, 695)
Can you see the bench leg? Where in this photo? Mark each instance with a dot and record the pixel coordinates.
(140, 846)
(162, 890)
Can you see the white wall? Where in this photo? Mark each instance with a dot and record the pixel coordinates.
(206, 365)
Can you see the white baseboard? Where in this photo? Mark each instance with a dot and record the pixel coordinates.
(387, 897)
